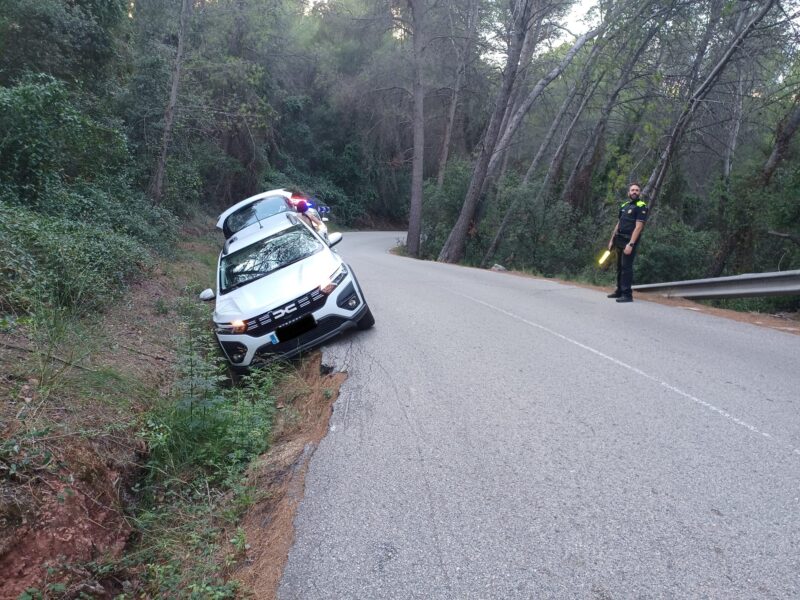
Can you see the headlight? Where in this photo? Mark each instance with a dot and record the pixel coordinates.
(237, 326)
(327, 286)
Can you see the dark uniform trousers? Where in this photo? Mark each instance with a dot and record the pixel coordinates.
(624, 265)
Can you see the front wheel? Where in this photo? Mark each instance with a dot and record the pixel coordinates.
(237, 373)
(366, 321)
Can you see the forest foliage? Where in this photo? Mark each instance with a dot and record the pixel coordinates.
(494, 127)
(494, 131)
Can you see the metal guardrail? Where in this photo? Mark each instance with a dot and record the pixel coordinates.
(781, 283)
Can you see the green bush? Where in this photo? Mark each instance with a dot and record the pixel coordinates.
(61, 38)
(206, 428)
(73, 230)
(440, 207)
(183, 187)
(200, 438)
(52, 260)
(673, 251)
(544, 234)
(111, 203)
(46, 139)
(56, 160)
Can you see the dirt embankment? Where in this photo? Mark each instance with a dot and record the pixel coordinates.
(69, 451)
(65, 519)
(306, 402)
(70, 454)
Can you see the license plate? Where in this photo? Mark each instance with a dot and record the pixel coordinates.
(296, 328)
(273, 339)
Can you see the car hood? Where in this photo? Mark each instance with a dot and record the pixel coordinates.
(278, 288)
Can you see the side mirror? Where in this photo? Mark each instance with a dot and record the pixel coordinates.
(334, 238)
(206, 295)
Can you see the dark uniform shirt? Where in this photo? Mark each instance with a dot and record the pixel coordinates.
(629, 213)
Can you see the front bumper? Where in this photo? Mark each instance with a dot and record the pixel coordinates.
(331, 318)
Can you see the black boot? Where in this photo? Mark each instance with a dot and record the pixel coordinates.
(625, 299)
(615, 294)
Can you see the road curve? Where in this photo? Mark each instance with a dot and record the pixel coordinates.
(508, 437)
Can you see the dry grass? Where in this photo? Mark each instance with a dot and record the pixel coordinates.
(70, 403)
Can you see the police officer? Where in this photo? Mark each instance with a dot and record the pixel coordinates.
(632, 217)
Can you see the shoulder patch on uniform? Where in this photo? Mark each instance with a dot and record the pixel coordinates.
(641, 203)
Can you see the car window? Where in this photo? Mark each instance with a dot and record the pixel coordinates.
(260, 209)
(266, 256)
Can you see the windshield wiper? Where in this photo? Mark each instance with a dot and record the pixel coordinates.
(241, 283)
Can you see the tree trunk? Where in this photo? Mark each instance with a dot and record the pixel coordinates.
(736, 123)
(715, 14)
(515, 120)
(472, 20)
(702, 46)
(512, 207)
(556, 162)
(503, 156)
(786, 236)
(526, 55)
(548, 138)
(656, 180)
(453, 249)
(581, 87)
(583, 173)
(415, 209)
(786, 130)
(740, 239)
(157, 182)
(726, 250)
(727, 167)
(448, 130)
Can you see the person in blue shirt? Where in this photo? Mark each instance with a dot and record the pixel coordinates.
(632, 217)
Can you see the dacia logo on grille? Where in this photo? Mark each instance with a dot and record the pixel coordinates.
(282, 312)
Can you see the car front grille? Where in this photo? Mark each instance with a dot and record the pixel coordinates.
(271, 320)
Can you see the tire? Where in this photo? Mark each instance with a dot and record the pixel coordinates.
(366, 321)
(236, 373)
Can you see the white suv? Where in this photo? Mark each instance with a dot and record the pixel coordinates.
(282, 290)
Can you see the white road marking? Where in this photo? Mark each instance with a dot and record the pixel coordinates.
(660, 382)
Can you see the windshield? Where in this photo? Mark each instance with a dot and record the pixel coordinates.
(260, 209)
(267, 255)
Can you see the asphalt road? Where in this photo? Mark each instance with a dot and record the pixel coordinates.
(508, 437)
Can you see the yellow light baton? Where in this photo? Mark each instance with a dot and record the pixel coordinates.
(603, 258)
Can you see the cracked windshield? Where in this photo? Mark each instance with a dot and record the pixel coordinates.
(266, 256)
